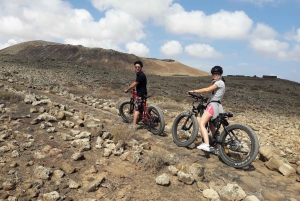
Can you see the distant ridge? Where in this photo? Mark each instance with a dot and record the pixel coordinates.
(97, 57)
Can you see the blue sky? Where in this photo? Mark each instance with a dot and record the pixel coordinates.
(245, 37)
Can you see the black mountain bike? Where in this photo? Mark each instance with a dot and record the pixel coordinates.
(237, 143)
(151, 116)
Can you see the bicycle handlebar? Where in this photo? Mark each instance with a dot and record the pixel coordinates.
(227, 114)
(198, 97)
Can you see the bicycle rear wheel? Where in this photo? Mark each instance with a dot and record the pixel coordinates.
(185, 129)
(239, 146)
(157, 124)
(126, 111)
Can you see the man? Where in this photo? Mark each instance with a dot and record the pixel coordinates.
(141, 87)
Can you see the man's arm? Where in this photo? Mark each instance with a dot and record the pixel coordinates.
(131, 86)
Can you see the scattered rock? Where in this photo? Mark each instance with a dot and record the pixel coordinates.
(67, 168)
(73, 184)
(186, 178)
(232, 192)
(94, 185)
(77, 156)
(41, 173)
(211, 194)
(52, 196)
(163, 180)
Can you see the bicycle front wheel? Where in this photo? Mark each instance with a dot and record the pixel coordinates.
(239, 146)
(157, 124)
(126, 111)
(185, 129)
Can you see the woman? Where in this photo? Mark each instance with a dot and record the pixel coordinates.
(214, 106)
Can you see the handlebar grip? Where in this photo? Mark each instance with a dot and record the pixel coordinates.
(229, 114)
(200, 96)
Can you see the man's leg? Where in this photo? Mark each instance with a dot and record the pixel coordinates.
(137, 106)
(135, 117)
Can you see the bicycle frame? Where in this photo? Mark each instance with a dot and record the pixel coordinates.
(221, 120)
(195, 111)
(217, 123)
(151, 116)
(146, 117)
(236, 144)
(199, 109)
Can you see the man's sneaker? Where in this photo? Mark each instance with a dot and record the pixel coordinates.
(132, 127)
(204, 147)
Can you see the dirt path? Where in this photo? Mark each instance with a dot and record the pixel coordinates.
(126, 181)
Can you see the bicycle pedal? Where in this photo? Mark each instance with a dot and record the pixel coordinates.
(213, 151)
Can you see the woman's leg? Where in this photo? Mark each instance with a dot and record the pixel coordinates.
(212, 128)
(217, 109)
(202, 124)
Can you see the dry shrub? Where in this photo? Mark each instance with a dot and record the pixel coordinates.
(18, 88)
(11, 97)
(178, 98)
(168, 104)
(121, 132)
(105, 94)
(156, 161)
(70, 84)
(79, 91)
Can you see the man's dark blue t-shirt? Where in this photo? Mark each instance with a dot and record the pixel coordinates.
(141, 87)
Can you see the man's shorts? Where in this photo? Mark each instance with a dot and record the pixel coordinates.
(138, 105)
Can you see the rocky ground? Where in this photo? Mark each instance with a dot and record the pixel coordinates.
(59, 145)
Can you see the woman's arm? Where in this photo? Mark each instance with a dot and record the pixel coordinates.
(204, 90)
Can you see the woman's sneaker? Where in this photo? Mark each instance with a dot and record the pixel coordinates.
(206, 147)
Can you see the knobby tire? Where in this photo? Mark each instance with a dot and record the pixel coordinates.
(182, 136)
(231, 153)
(157, 125)
(124, 111)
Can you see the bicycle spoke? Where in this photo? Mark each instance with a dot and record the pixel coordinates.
(156, 123)
(126, 112)
(184, 130)
(184, 133)
(237, 145)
